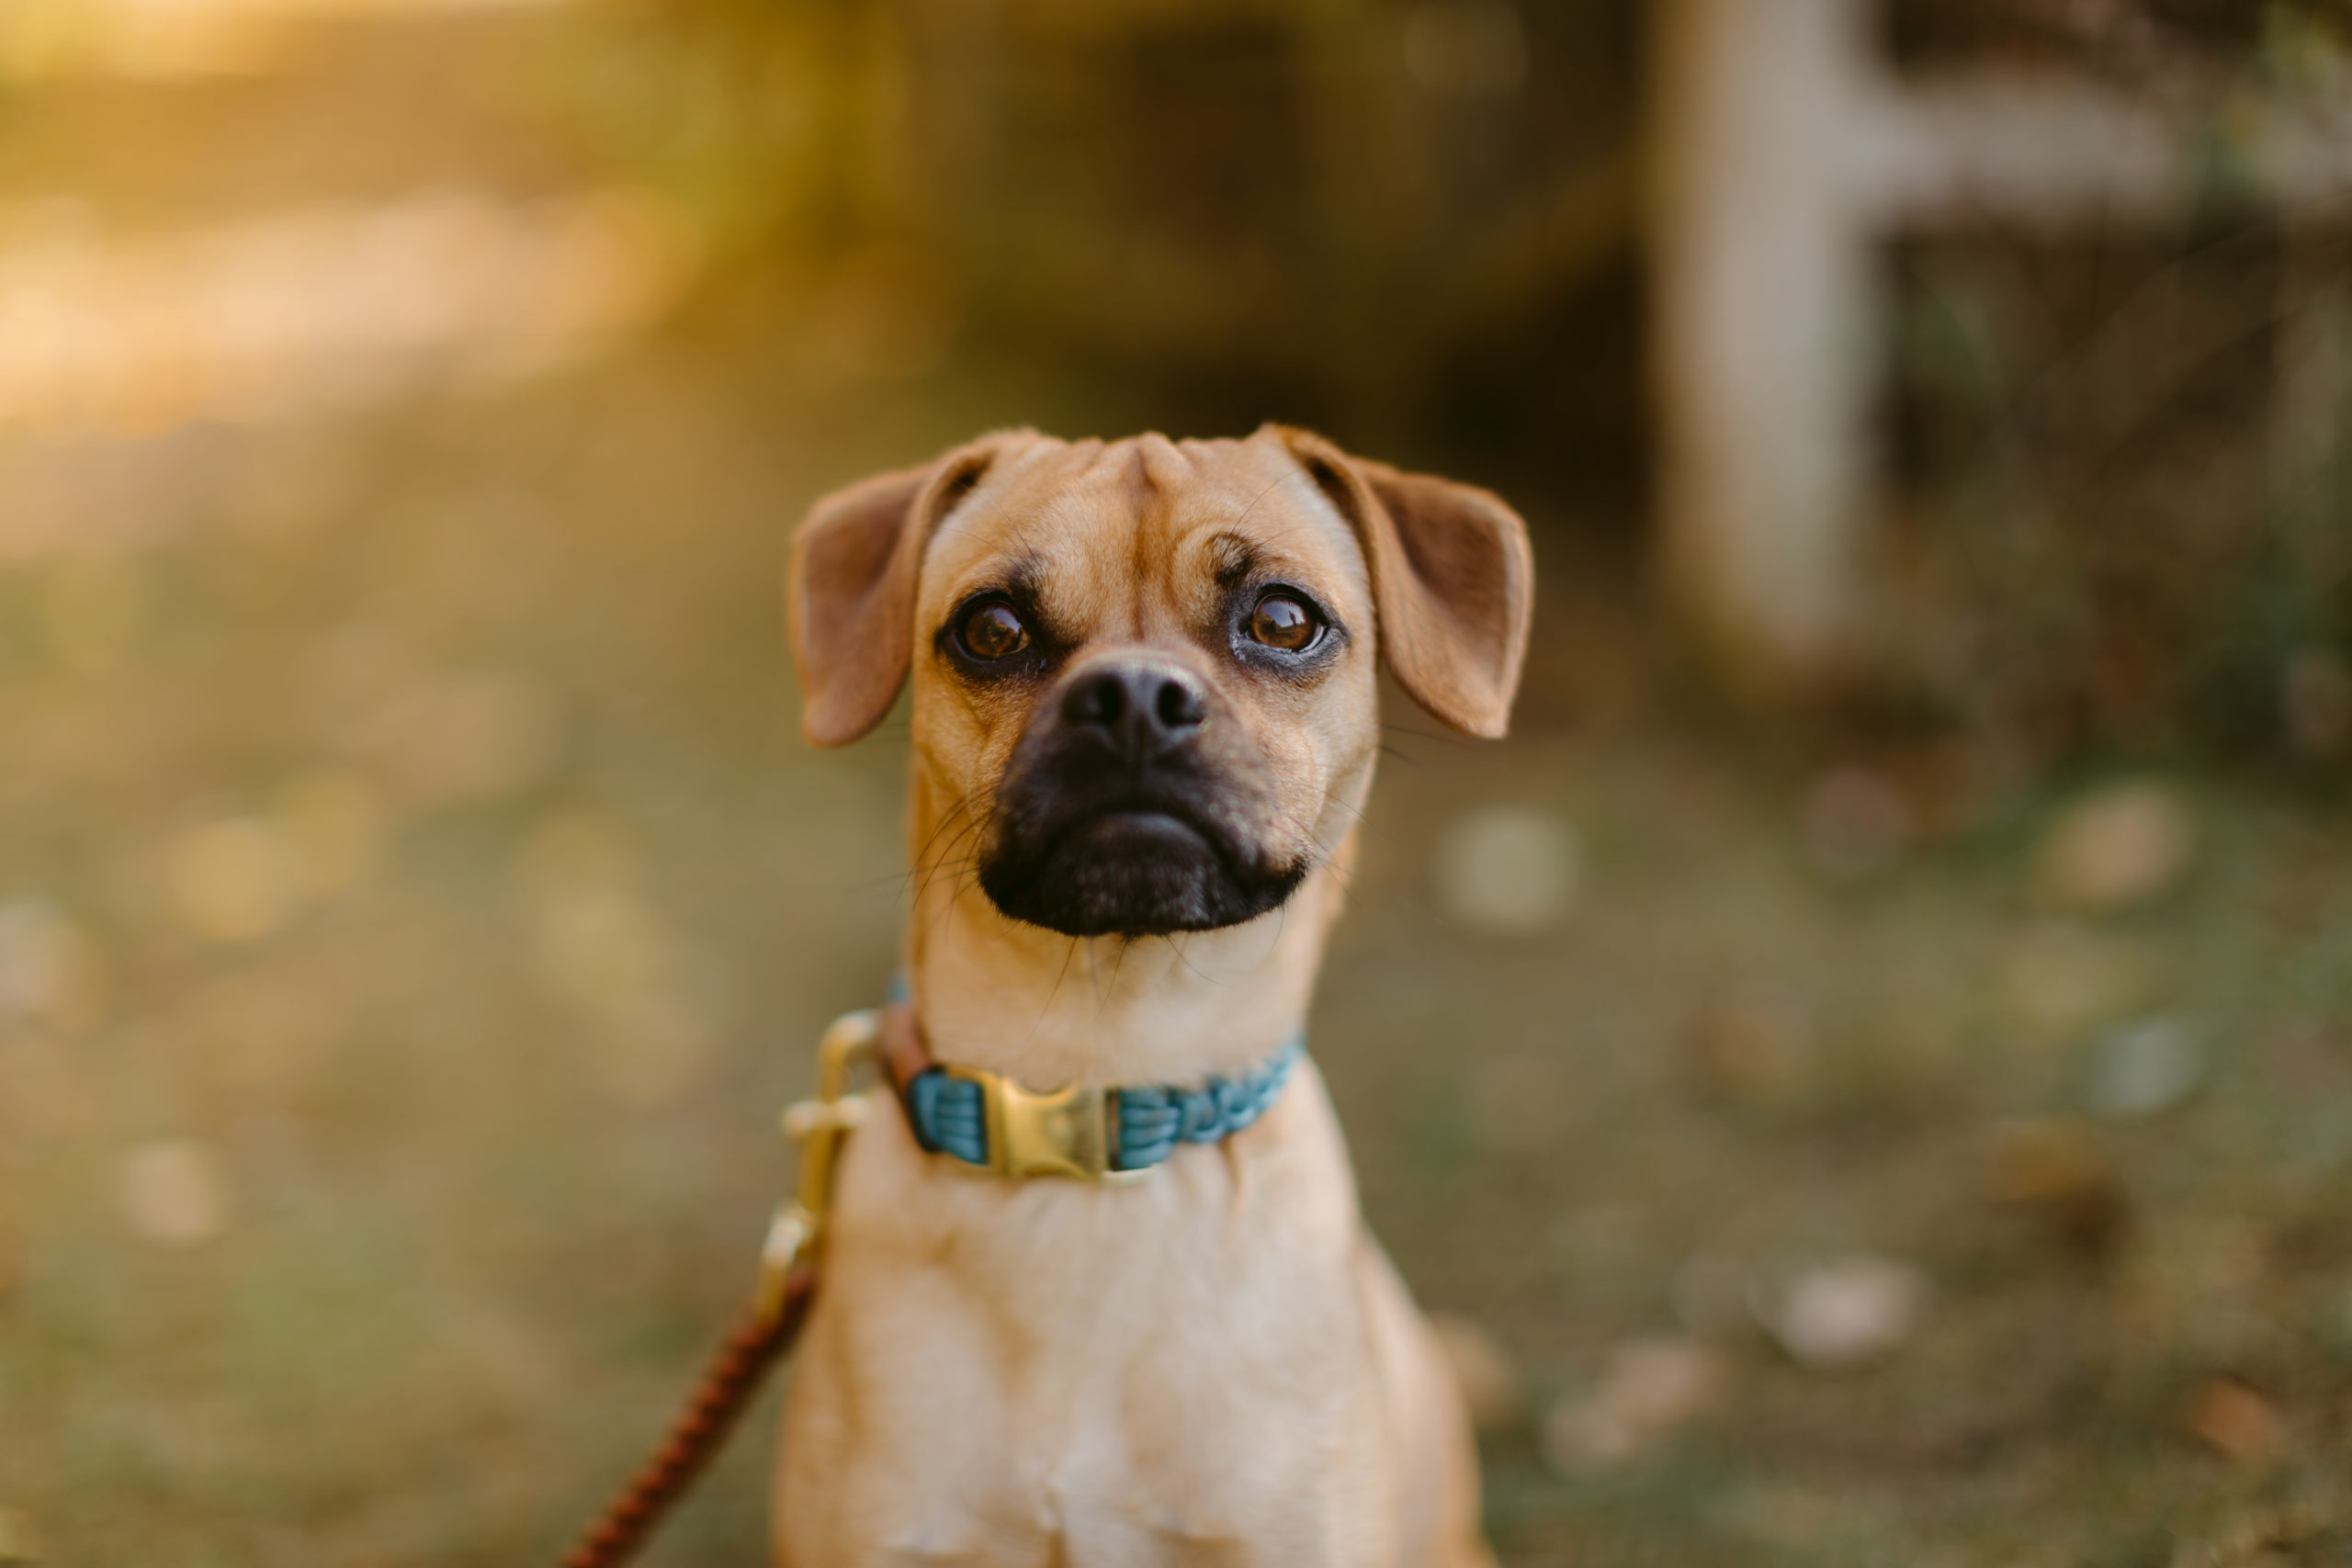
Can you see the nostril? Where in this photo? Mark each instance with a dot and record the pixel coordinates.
(1179, 706)
(1101, 701)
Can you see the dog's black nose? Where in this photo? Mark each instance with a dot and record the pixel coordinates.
(1138, 709)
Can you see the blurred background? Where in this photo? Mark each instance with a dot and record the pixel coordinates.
(1864, 1072)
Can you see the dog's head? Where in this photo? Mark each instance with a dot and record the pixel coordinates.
(1144, 671)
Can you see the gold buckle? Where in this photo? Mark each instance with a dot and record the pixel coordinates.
(1064, 1132)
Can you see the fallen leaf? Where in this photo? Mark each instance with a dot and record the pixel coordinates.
(232, 879)
(1482, 1370)
(174, 1192)
(2235, 1420)
(1509, 870)
(1649, 1387)
(2053, 1167)
(2122, 845)
(1847, 1314)
(2146, 1069)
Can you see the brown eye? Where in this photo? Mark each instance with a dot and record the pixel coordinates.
(1280, 621)
(992, 631)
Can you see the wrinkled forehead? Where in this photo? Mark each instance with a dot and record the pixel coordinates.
(1091, 526)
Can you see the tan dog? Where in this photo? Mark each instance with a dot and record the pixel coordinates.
(1145, 723)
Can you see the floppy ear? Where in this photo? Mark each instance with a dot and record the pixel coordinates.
(1453, 581)
(851, 595)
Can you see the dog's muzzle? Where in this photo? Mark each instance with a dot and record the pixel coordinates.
(1133, 808)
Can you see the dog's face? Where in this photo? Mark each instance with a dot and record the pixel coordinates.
(1143, 672)
(1153, 667)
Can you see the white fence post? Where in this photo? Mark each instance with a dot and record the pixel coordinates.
(1783, 151)
(1761, 280)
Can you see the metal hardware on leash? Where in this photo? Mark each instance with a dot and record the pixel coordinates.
(788, 1264)
(819, 1126)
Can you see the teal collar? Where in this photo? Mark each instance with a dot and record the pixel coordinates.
(992, 1121)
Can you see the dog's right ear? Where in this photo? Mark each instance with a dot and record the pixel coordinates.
(850, 597)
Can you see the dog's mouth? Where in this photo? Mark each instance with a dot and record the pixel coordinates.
(1138, 867)
(1134, 830)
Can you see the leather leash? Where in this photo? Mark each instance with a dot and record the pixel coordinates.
(790, 1263)
(727, 1385)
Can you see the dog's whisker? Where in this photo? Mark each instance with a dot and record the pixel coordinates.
(973, 813)
(1054, 991)
(1185, 959)
(959, 810)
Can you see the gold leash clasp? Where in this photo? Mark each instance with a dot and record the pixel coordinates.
(820, 1127)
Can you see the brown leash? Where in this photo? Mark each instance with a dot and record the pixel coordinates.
(726, 1386)
(789, 1264)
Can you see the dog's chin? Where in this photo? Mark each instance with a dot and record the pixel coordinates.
(1134, 872)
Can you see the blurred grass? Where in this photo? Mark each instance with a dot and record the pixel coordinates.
(474, 1247)
(408, 865)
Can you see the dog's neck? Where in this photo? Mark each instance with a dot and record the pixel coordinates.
(1051, 1010)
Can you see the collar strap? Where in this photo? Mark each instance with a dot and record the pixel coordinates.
(996, 1122)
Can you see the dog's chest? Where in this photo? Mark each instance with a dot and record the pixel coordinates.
(1175, 1373)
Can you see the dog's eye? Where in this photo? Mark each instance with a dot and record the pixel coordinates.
(992, 631)
(1280, 621)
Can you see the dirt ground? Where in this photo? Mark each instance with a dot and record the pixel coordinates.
(416, 904)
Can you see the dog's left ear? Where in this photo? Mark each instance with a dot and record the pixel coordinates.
(851, 594)
(1452, 580)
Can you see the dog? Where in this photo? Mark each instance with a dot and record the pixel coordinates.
(1144, 717)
